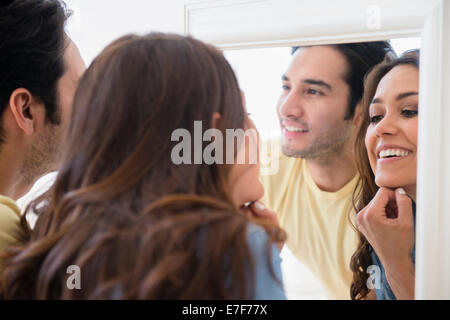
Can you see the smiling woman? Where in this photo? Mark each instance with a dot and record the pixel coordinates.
(391, 137)
(386, 155)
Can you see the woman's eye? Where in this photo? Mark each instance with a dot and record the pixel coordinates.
(375, 119)
(409, 113)
(285, 87)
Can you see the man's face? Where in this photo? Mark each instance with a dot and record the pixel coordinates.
(314, 103)
(43, 154)
(67, 85)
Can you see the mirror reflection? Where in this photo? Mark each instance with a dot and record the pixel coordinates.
(342, 151)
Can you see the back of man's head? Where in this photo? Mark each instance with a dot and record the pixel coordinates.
(32, 42)
(361, 58)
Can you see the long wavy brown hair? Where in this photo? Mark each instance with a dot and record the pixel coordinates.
(366, 188)
(138, 225)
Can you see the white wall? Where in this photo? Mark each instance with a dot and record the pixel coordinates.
(96, 23)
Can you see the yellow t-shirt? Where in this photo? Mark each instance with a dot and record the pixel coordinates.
(11, 232)
(317, 224)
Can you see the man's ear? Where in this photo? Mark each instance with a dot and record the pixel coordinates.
(20, 103)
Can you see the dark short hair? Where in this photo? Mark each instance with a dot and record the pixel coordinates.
(361, 58)
(32, 43)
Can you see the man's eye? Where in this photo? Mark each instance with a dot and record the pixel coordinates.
(285, 87)
(375, 119)
(313, 92)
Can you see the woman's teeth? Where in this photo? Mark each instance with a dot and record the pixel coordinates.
(392, 153)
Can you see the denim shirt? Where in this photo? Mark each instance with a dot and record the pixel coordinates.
(266, 287)
(384, 291)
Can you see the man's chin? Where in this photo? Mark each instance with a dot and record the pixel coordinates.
(290, 151)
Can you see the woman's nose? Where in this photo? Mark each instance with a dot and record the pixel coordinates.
(386, 126)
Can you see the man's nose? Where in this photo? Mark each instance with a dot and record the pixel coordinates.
(290, 106)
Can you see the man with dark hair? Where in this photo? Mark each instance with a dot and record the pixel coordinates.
(319, 111)
(39, 71)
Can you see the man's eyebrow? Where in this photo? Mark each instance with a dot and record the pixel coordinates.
(310, 81)
(317, 83)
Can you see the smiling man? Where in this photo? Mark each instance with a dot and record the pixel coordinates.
(319, 111)
(39, 71)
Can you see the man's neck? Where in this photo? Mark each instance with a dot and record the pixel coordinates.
(12, 182)
(332, 173)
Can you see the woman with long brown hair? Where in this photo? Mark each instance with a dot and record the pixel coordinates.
(138, 225)
(386, 154)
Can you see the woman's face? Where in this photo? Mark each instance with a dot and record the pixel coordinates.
(391, 138)
(244, 176)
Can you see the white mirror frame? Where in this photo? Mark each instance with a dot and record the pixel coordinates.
(234, 24)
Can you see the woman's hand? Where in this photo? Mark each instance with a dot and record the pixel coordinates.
(387, 223)
(259, 211)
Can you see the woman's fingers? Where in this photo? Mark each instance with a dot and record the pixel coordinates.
(384, 211)
(404, 207)
(382, 198)
(259, 210)
(360, 220)
(382, 231)
(375, 210)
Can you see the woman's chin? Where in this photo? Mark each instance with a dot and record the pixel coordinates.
(386, 183)
(393, 184)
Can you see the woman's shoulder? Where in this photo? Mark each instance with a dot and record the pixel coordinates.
(260, 243)
(267, 263)
(256, 234)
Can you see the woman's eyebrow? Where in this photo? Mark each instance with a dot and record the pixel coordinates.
(406, 94)
(399, 96)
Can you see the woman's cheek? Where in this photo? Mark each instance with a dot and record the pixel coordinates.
(248, 187)
(370, 143)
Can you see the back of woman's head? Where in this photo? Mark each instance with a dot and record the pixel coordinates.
(138, 225)
(131, 100)
(366, 187)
